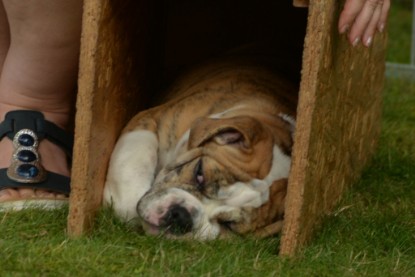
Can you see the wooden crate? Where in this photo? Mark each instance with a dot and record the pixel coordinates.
(128, 47)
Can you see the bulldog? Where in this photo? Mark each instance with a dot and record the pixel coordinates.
(213, 160)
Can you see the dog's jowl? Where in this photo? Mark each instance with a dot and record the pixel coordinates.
(213, 160)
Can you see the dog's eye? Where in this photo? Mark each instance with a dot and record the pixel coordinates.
(199, 177)
(226, 224)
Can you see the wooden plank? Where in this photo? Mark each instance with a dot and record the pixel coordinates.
(338, 122)
(114, 69)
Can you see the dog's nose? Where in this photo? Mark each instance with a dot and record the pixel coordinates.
(178, 220)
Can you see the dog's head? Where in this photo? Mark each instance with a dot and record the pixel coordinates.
(230, 177)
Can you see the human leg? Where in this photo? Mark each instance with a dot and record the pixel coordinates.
(39, 73)
(4, 35)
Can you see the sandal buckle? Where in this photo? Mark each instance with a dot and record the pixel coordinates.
(25, 166)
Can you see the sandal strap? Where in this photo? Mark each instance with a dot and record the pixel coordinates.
(54, 182)
(24, 119)
(25, 170)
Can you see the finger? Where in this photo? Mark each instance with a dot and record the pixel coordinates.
(384, 15)
(371, 27)
(362, 20)
(348, 15)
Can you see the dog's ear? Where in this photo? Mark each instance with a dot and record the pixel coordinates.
(238, 131)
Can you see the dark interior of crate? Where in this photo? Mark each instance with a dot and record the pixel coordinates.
(187, 32)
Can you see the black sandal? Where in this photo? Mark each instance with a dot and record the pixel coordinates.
(26, 129)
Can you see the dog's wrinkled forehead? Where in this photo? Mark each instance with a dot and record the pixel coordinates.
(196, 173)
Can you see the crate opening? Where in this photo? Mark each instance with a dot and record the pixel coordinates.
(187, 32)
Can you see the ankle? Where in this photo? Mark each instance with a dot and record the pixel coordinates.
(60, 118)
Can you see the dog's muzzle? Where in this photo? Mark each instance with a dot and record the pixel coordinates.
(170, 212)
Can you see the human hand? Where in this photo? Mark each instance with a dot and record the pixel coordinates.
(361, 19)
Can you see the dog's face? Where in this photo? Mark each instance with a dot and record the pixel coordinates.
(220, 183)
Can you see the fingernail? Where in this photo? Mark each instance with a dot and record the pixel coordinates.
(356, 41)
(368, 41)
(344, 29)
(381, 27)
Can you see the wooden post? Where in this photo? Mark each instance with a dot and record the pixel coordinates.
(338, 122)
(116, 46)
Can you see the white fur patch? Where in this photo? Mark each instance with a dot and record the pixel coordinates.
(207, 228)
(240, 195)
(256, 193)
(171, 155)
(291, 120)
(280, 168)
(131, 172)
(222, 114)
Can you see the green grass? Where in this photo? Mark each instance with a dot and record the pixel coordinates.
(371, 233)
(400, 30)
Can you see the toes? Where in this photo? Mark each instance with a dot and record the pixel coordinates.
(60, 196)
(49, 195)
(7, 194)
(26, 193)
(44, 194)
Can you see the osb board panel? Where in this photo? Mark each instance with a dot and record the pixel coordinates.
(108, 95)
(338, 122)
